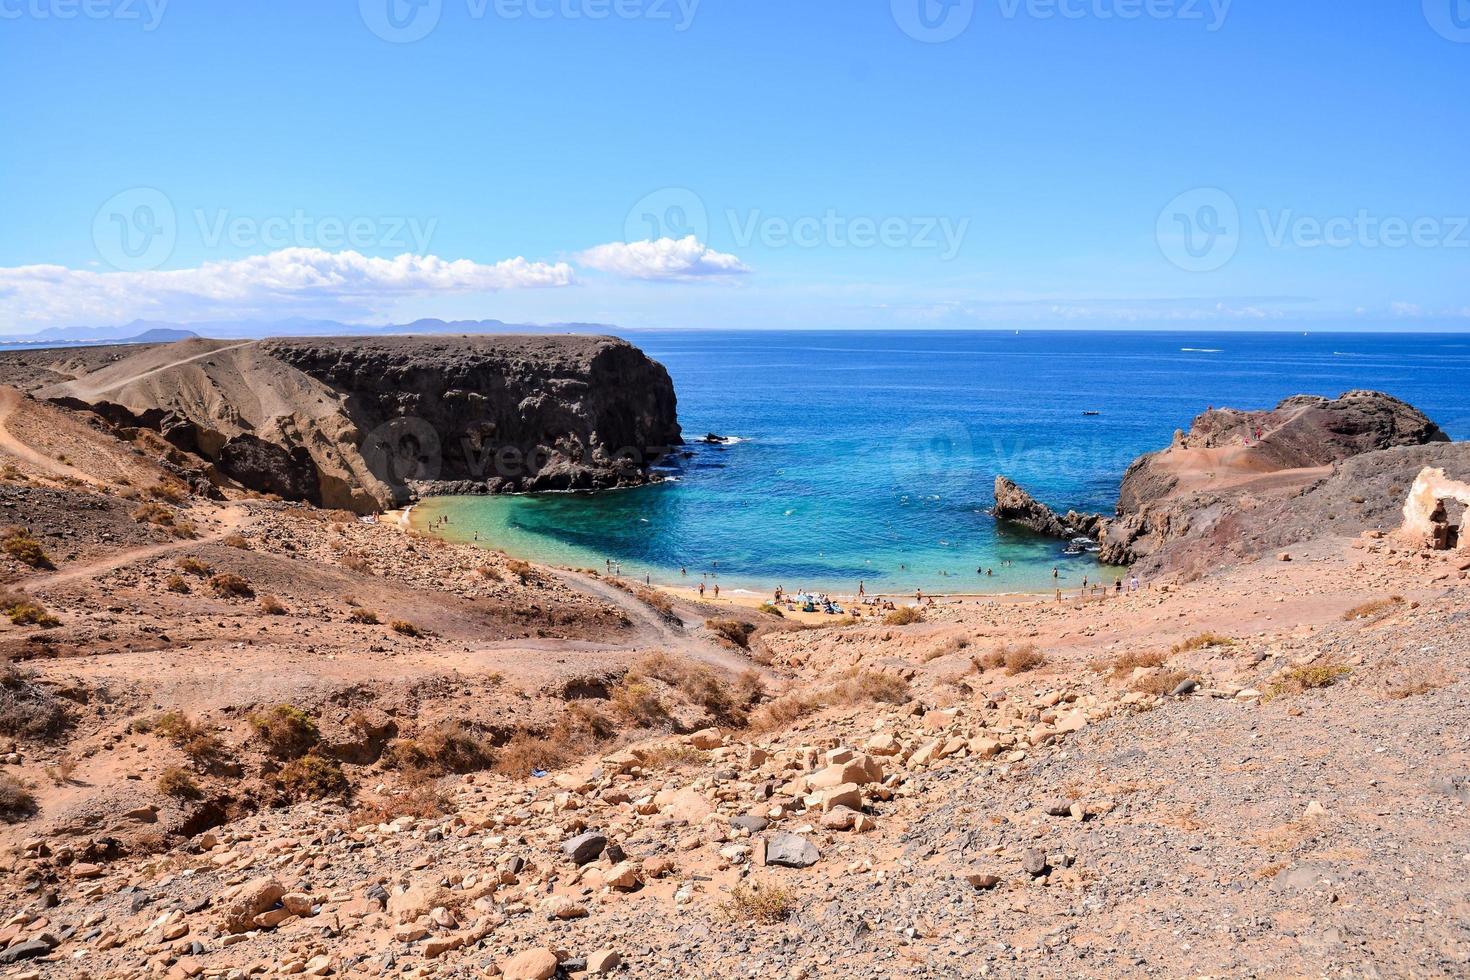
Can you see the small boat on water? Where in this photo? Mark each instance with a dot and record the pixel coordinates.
(1092, 413)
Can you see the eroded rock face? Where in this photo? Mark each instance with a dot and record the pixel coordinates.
(1230, 458)
(1239, 482)
(368, 423)
(1019, 507)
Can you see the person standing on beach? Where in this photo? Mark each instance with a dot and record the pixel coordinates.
(1055, 573)
(717, 590)
(861, 591)
(701, 590)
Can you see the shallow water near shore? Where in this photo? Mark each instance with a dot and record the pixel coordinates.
(871, 456)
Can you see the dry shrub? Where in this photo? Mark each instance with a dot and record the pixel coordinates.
(636, 701)
(404, 628)
(61, 772)
(177, 783)
(25, 611)
(26, 708)
(16, 801)
(356, 563)
(312, 777)
(364, 617)
(196, 741)
(236, 541)
(523, 571)
(1312, 677)
(1015, 660)
(288, 732)
(423, 801)
(230, 586)
(855, 687)
(160, 516)
(732, 631)
(944, 648)
(764, 903)
(489, 573)
(1413, 688)
(1202, 641)
(772, 610)
(18, 544)
(1378, 609)
(447, 747)
(658, 601)
(1127, 663)
(671, 756)
(176, 583)
(272, 606)
(904, 616)
(193, 566)
(173, 493)
(700, 684)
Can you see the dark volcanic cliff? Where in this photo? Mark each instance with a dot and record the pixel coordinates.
(368, 423)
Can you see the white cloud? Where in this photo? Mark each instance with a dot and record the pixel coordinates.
(286, 282)
(667, 258)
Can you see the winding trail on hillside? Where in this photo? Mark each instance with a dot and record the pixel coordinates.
(230, 517)
(11, 400)
(650, 630)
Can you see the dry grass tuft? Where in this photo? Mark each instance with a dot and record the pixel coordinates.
(179, 784)
(193, 566)
(765, 903)
(16, 801)
(272, 606)
(1312, 677)
(18, 544)
(404, 628)
(364, 617)
(1378, 609)
(27, 709)
(1202, 641)
(855, 687)
(447, 747)
(312, 777)
(288, 732)
(732, 631)
(22, 610)
(1127, 663)
(1014, 659)
(230, 586)
(904, 616)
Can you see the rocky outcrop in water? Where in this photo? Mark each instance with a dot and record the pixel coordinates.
(370, 423)
(1203, 498)
(1018, 507)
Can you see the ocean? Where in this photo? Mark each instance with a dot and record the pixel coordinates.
(871, 456)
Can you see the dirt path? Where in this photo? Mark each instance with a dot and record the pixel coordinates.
(651, 631)
(231, 518)
(93, 391)
(10, 400)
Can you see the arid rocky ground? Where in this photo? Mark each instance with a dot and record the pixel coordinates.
(260, 739)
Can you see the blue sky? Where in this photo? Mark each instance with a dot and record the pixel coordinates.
(739, 163)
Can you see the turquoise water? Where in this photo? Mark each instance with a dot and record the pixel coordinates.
(872, 456)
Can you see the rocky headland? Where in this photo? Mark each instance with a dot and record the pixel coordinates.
(366, 424)
(1238, 483)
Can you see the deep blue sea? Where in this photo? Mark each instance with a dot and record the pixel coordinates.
(871, 456)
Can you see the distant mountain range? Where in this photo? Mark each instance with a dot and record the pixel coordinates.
(154, 332)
